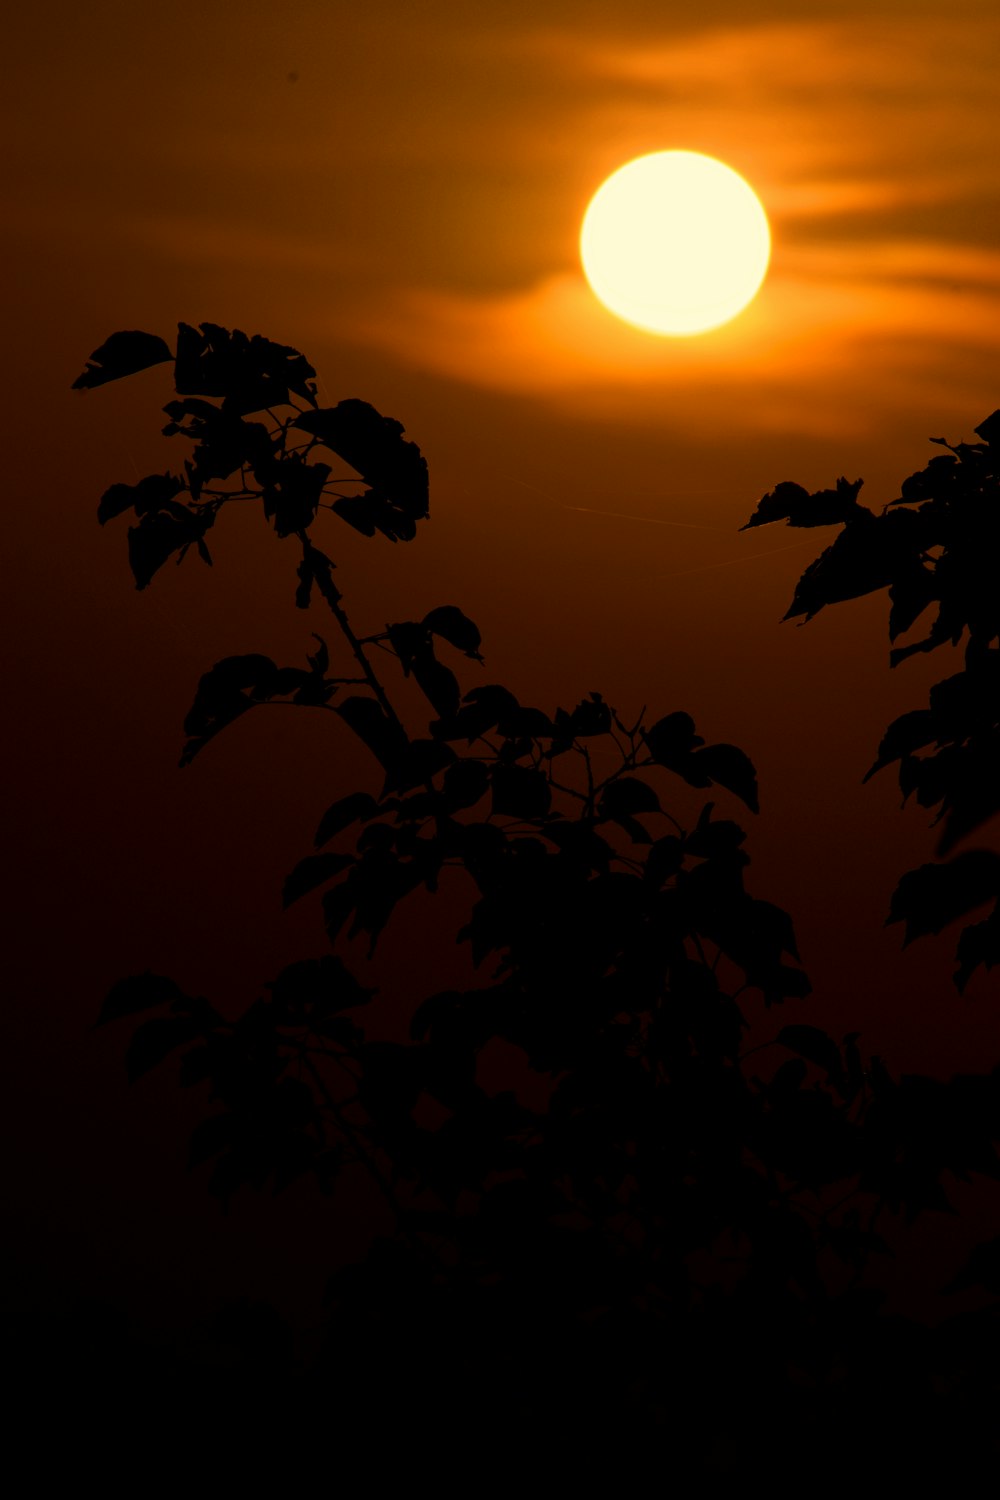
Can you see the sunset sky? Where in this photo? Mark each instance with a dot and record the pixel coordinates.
(397, 190)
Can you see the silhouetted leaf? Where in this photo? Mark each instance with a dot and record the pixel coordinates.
(790, 502)
(209, 1137)
(122, 354)
(720, 839)
(979, 945)
(418, 761)
(160, 533)
(311, 988)
(312, 871)
(154, 1041)
(930, 897)
(727, 766)
(483, 709)
(391, 466)
(384, 738)
(150, 494)
(249, 373)
(671, 740)
(138, 992)
(338, 904)
(782, 983)
(592, 716)
(225, 692)
(292, 492)
(982, 1269)
(989, 430)
(627, 796)
(456, 628)
(580, 843)
(465, 783)
(526, 723)
(664, 859)
(438, 685)
(913, 589)
(520, 792)
(356, 511)
(196, 1066)
(814, 1045)
(224, 443)
(866, 556)
(342, 813)
(909, 732)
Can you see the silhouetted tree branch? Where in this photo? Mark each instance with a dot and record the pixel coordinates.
(935, 547)
(668, 1209)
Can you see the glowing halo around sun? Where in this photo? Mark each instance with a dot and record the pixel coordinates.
(675, 242)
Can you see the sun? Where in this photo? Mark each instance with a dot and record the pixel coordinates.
(675, 242)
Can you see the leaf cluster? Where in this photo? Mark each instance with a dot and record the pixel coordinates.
(933, 548)
(222, 377)
(632, 1183)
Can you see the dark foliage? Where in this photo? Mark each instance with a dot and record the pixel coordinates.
(935, 547)
(675, 1240)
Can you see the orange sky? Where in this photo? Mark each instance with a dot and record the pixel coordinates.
(396, 190)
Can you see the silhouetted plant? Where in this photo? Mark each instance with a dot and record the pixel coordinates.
(935, 546)
(668, 1221)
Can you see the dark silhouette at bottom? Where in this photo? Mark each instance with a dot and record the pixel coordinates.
(670, 1259)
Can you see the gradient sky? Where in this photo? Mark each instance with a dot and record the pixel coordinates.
(397, 190)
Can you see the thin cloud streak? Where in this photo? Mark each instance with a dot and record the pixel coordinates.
(836, 332)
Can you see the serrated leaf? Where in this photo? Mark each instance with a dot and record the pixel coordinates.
(930, 897)
(911, 731)
(790, 502)
(248, 373)
(867, 555)
(392, 467)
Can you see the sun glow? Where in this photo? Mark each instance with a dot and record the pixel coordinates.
(675, 242)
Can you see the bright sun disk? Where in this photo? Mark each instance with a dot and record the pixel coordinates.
(675, 242)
